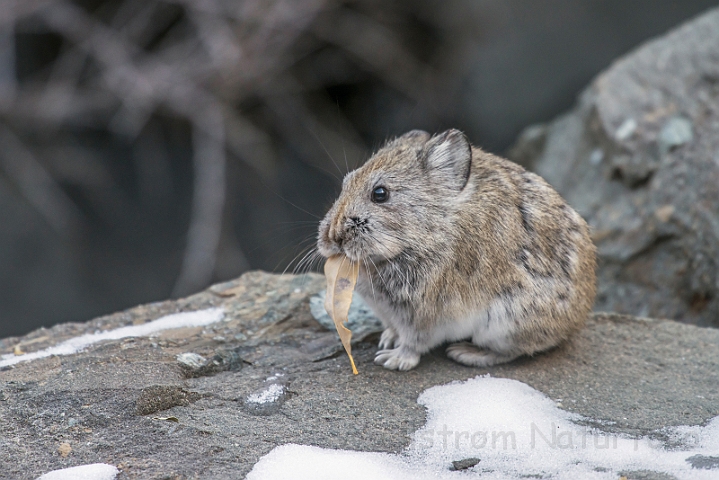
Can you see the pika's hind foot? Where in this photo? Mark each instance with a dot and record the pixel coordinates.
(471, 355)
(397, 358)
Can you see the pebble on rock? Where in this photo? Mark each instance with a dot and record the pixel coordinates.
(465, 464)
(191, 360)
(64, 449)
(268, 399)
(194, 365)
(676, 132)
(626, 129)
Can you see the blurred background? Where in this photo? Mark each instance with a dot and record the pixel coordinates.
(150, 148)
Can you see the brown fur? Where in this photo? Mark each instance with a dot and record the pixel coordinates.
(469, 246)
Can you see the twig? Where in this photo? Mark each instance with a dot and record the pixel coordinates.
(203, 237)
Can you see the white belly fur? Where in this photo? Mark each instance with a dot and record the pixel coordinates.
(490, 327)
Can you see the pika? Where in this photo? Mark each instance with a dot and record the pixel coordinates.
(458, 245)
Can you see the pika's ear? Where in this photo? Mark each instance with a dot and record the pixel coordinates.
(448, 158)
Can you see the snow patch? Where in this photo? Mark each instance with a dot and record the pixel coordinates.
(77, 344)
(268, 395)
(95, 471)
(301, 462)
(515, 431)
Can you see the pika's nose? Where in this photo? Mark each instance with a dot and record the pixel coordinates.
(343, 227)
(356, 223)
(353, 224)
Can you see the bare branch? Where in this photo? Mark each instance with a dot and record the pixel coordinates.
(203, 237)
(232, 70)
(378, 48)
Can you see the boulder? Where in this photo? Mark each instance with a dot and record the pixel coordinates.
(638, 157)
(127, 398)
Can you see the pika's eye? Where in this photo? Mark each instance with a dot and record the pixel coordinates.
(380, 195)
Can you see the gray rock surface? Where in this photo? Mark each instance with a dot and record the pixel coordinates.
(129, 402)
(360, 318)
(638, 157)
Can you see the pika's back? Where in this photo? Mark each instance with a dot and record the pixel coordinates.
(517, 230)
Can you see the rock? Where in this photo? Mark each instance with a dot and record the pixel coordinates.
(268, 399)
(465, 464)
(675, 133)
(638, 157)
(194, 365)
(191, 361)
(646, 475)
(360, 318)
(704, 462)
(134, 408)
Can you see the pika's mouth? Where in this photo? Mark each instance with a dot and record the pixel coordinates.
(329, 245)
(353, 255)
(346, 248)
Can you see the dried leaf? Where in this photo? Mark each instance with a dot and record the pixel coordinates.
(18, 350)
(341, 274)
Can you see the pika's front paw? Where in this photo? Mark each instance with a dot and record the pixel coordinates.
(388, 339)
(397, 359)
